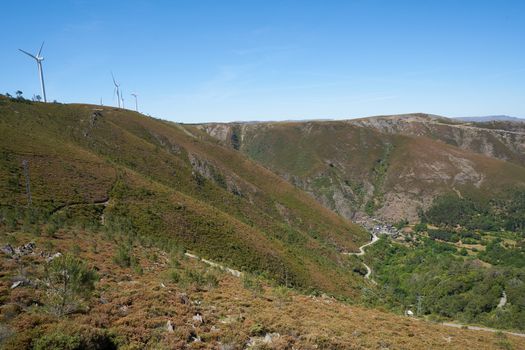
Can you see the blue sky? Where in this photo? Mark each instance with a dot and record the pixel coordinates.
(218, 60)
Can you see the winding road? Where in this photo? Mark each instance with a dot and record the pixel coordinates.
(361, 252)
(502, 301)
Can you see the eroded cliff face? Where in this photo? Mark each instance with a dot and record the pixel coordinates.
(502, 140)
(391, 167)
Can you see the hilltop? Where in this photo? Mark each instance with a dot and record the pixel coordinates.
(491, 118)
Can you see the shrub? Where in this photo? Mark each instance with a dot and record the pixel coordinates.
(73, 337)
(124, 256)
(282, 294)
(443, 235)
(258, 330)
(57, 341)
(252, 283)
(195, 279)
(76, 250)
(421, 227)
(69, 283)
(401, 223)
(175, 276)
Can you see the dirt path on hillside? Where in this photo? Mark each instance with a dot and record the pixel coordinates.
(103, 202)
(362, 252)
(484, 329)
(231, 271)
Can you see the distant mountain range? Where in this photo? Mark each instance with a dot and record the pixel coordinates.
(490, 118)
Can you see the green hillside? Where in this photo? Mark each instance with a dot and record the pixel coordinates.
(171, 185)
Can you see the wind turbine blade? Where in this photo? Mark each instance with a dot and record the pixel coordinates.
(112, 76)
(27, 53)
(40, 51)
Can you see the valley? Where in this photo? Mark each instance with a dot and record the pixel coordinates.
(262, 175)
(390, 167)
(310, 235)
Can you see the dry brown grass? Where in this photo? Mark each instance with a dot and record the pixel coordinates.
(136, 307)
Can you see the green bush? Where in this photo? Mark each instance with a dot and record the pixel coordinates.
(420, 227)
(124, 256)
(192, 278)
(175, 276)
(258, 330)
(443, 235)
(282, 294)
(496, 254)
(252, 283)
(69, 283)
(58, 341)
(401, 223)
(74, 337)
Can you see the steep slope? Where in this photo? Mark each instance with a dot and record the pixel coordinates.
(391, 167)
(158, 180)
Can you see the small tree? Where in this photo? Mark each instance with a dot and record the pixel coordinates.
(19, 94)
(69, 283)
(38, 98)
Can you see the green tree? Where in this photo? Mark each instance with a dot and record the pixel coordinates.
(69, 283)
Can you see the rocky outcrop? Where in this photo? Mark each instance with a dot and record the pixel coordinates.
(203, 168)
(504, 141)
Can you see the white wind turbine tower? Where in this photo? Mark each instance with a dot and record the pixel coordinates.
(136, 103)
(117, 89)
(38, 58)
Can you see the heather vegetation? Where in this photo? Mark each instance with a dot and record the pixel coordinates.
(158, 181)
(178, 302)
(106, 227)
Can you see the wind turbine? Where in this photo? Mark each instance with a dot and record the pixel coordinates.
(39, 60)
(117, 89)
(136, 103)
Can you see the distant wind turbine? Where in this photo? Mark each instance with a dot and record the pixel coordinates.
(117, 89)
(136, 103)
(38, 58)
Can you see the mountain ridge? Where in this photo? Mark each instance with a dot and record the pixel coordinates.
(491, 118)
(347, 164)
